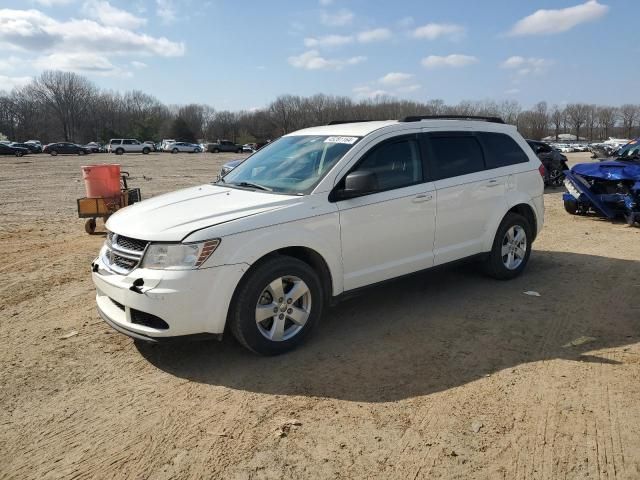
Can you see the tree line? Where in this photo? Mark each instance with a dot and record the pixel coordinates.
(65, 106)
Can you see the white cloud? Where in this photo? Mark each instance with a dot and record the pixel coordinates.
(545, 22)
(166, 10)
(32, 30)
(367, 92)
(525, 66)
(454, 60)
(312, 60)
(375, 35)
(433, 31)
(9, 83)
(512, 91)
(107, 14)
(325, 3)
(409, 88)
(396, 78)
(327, 41)
(81, 63)
(339, 19)
(52, 3)
(138, 65)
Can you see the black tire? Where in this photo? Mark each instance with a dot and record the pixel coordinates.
(19, 154)
(215, 150)
(145, 151)
(90, 226)
(53, 153)
(239, 150)
(494, 264)
(175, 150)
(81, 152)
(119, 151)
(242, 313)
(571, 207)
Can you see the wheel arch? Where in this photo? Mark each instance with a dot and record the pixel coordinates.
(527, 212)
(519, 206)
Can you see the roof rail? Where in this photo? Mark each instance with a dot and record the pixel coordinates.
(417, 118)
(340, 122)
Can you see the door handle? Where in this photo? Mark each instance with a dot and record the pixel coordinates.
(423, 197)
(493, 183)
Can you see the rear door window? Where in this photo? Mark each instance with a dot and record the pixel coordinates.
(501, 150)
(454, 154)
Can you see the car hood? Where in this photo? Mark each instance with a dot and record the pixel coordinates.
(609, 170)
(173, 216)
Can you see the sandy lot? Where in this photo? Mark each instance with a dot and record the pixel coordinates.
(445, 375)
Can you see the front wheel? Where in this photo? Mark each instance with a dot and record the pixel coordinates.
(239, 150)
(145, 151)
(119, 151)
(511, 248)
(81, 152)
(571, 206)
(53, 153)
(555, 177)
(215, 150)
(175, 150)
(19, 154)
(276, 305)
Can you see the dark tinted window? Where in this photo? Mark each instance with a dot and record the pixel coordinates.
(502, 150)
(396, 164)
(455, 155)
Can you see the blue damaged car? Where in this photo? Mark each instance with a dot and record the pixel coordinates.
(610, 188)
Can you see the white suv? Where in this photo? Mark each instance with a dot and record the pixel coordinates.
(127, 145)
(317, 213)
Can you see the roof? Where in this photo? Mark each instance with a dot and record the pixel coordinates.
(360, 129)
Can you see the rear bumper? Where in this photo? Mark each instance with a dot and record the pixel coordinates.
(192, 302)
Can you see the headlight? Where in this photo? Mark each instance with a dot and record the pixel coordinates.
(178, 256)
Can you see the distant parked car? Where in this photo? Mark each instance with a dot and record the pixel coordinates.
(11, 150)
(65, 148)
(32, 147)
(555, 163)
(127, 145)
(227, 167)
(151, 144)
(95, 147)
(165, 142)
(183, 147)
(248, 148)
(224, 146)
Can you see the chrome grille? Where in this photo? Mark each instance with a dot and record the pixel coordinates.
(123, 254)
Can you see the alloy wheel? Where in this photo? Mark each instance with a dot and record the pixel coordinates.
(514, 247)
(283, 308)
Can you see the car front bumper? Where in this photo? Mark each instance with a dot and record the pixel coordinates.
(189, 302)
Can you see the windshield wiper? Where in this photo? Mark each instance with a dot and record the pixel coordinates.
(251, 185)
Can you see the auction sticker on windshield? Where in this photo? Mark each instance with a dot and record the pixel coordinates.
(347, 140)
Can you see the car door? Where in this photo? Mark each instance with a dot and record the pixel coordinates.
(64, 148)
(390, 231)
(468, 195)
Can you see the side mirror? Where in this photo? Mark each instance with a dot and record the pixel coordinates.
(358, 183)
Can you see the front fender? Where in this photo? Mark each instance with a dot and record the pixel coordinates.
(320, 234)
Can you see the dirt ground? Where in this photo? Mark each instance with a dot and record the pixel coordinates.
(444, 375)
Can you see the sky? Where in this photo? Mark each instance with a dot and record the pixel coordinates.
(234, 54)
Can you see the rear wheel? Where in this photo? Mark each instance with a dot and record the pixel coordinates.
(511, 248)
(239, 150)
(81, 152)
(19, 153)
(555, 176)
(145, 151)
(215, 150)
(175, 150)
(119, 151)
(276, 305)
(53, 153)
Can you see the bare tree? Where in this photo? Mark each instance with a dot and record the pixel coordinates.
(577, 114)
(606, 118)
(557, 117)
(629, 114)
(67, 94)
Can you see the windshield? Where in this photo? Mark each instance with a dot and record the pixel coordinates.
(630, 150)
(291, 165)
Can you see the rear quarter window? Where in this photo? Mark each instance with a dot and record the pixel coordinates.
(501, 150)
